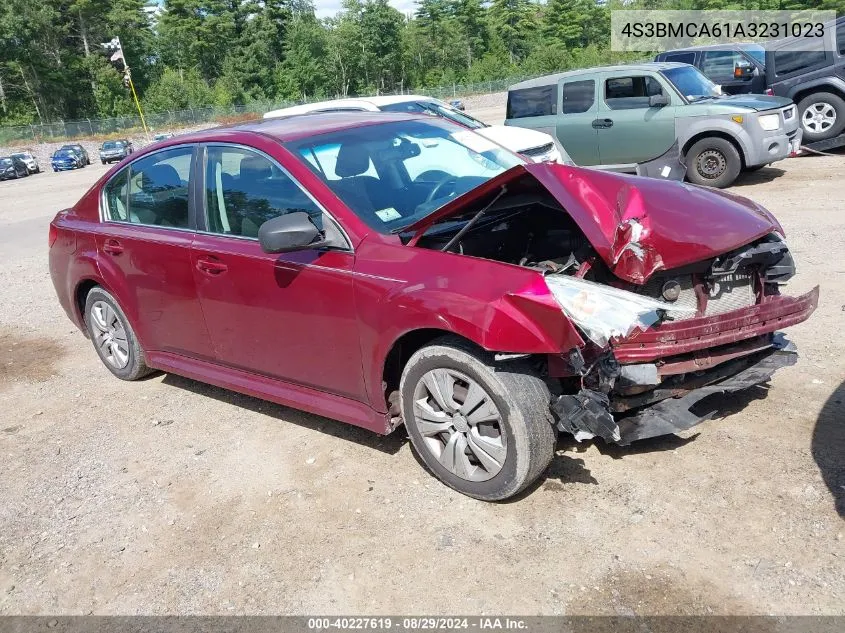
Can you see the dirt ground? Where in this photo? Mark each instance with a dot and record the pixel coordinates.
(167, 496)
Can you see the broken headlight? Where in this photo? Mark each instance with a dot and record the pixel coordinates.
(603, 312)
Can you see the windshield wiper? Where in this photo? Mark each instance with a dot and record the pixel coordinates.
(466, 227)
(401, 229)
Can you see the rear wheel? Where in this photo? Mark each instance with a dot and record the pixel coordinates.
(822, 116)
(714, 162)
(483, 429)
(113, 336)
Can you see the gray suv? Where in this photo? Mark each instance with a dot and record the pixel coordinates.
(614, 117)
(815, 80)
(115, 151)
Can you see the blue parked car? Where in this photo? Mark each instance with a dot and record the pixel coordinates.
(65, 159)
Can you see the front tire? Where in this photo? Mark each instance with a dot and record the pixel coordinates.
(713, 162)
(822, 116)
(482, 428)
(113, 337)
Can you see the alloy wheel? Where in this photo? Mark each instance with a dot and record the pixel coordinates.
(110, 335)
(460, 424)
(819, 117)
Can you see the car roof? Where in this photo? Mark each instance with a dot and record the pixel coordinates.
(728, 46)
(787, 41)
(548, 80)
(356, 103)
(291, 128)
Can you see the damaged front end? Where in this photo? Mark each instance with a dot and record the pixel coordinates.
(652, 364)
(671, 405)
(672, 293)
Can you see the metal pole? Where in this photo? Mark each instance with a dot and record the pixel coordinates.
(132, 87)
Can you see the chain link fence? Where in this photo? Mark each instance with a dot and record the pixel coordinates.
(87, 128)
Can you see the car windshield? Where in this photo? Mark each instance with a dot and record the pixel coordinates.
(64, 153)
(437, 109)
(691, 83)
(757, 52)
(112, 145)
(22, 156)
(5, 162)
(393, 174)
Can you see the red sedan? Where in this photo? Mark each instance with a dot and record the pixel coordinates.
(385, 269)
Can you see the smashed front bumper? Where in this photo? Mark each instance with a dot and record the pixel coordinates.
(672, 408)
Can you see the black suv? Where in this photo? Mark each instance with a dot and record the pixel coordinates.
(815, 80)
(737, 68)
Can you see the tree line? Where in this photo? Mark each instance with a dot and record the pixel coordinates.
(196, 53)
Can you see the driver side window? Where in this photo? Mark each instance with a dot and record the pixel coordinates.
(630, 93)
(244, 189)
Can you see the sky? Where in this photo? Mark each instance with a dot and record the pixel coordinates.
(327, 8)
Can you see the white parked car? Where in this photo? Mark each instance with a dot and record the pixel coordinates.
(534, 145)
(28, 160)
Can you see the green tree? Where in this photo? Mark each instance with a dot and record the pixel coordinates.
(178, 90)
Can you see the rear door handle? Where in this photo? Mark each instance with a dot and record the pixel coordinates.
(602, 123)
(211, 266)
(113, 247)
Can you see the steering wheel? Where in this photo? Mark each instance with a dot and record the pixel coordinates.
(441, 184)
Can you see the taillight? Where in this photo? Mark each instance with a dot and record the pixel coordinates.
(770, 92)
(52, 235)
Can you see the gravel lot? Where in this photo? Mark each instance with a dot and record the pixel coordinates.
(168, 496)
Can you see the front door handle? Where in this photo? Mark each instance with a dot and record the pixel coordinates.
(602, 123)
(211, 266)
(112, 247)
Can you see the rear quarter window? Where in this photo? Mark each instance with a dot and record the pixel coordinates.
(791, 61)
(531, 102)
(682, 58)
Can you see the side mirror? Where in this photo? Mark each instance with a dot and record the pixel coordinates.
(658, 101)
(743, 72)
(290, 232)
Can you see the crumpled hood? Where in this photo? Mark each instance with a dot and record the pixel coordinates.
(636, 225)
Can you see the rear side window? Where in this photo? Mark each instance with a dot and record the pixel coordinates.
(152, 190)
(529, 102)
(244, 189)
(117, 197)
(788, 62)
(578, 96)
(840, 37)
(681, 58)
(629, 93)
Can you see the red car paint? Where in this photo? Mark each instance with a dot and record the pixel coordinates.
(680, 224)
(315, 330)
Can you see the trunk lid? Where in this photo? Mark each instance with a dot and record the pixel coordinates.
(636, 225)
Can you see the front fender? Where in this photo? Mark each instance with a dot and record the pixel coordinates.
(690, 128)
(499, 307)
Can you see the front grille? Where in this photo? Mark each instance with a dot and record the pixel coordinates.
(727, 293)
(538, 151)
